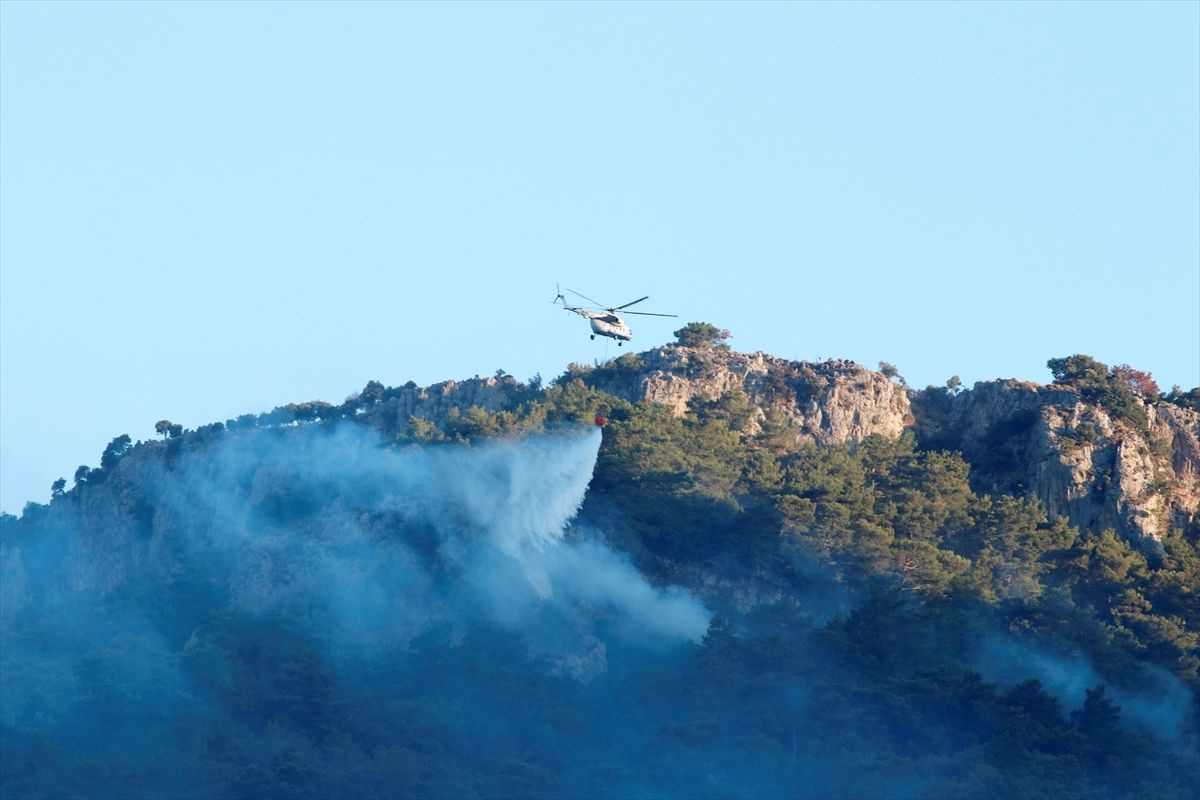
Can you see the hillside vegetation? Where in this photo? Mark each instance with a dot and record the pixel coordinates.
(885, 617)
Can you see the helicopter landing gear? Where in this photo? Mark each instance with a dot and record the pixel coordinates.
(620, 343)
(593, 336)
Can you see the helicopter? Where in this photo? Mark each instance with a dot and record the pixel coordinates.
(604, 320)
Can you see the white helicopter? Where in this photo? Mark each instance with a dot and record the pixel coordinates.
(605, 321)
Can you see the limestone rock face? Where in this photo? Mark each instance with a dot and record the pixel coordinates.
(829, 402)
(1074, 456)
(1019, 437)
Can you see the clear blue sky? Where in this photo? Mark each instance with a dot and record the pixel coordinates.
(215, 208)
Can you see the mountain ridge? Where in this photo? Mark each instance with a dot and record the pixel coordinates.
(789, 572)
(1043, 441)
(1079, 460)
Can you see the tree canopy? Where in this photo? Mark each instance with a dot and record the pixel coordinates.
(702, 335)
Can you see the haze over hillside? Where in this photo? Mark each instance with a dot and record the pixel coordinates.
(763, 577)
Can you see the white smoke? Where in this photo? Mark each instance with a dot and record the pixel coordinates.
(320, 527)
(1159, 705)
(523, 493)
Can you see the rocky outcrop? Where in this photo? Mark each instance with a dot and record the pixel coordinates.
(1020, 437)
(1076, 457)
(1082, 461)
(829, 402)
(392, 411)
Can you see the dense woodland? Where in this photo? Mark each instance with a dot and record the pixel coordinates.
(902, 642)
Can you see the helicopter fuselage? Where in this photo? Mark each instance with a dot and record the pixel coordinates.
(605, 323)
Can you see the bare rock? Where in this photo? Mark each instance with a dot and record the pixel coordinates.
(1074, 456)
(829, 402)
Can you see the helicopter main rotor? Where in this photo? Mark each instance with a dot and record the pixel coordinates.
(614, 309)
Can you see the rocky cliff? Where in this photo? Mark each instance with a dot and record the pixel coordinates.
(829, 402)
(1039, 440)
(1043, 441)
(1078, 458)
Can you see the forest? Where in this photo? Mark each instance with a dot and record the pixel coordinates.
(511, 604)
